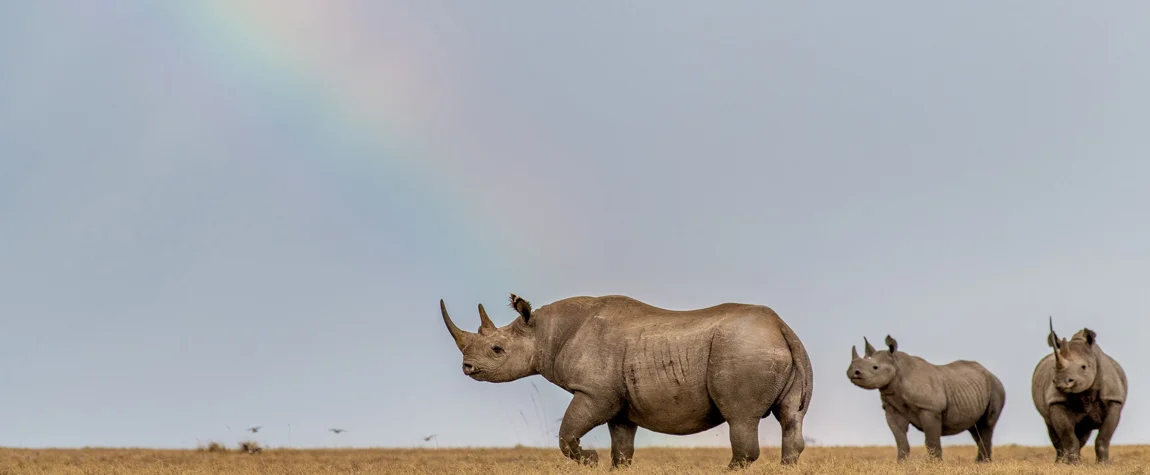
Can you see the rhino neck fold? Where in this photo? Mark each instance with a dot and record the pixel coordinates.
(894, 387)
(555, 326)
(891, 389)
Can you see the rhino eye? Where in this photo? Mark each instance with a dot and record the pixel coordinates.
(876, 367)
(1083, 366)
(497, 349)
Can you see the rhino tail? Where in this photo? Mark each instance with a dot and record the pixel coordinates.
(801, 370)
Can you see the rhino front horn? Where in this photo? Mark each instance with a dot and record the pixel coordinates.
(458, 334)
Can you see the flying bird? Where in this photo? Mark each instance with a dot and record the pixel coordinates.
(428, 438)
(254, 429)
(338, 430)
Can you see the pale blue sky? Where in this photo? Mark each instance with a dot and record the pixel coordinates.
(192, 239)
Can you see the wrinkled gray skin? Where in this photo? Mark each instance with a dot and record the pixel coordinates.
(629, 364)
(1078, 388)
(936, 399)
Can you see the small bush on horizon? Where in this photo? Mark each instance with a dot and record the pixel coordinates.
(250, 447)
(213, 447)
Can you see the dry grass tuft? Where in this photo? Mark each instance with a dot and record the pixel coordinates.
(1009, 460)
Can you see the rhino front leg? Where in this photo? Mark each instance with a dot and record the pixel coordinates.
(932, 427)
(622, 442)
(1109, 424)
(898, 426)
(583, 414)
(1063, 423)
(1055, 441)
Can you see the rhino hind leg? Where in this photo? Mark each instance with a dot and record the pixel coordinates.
(983, 431)
(790, 412)
(744, 434)
(983, 435)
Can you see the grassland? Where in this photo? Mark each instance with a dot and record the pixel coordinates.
(1127, 460)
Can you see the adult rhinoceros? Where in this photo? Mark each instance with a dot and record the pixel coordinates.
(629, 364)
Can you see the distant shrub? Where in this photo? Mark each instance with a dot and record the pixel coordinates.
(251, 447)
(214, 447)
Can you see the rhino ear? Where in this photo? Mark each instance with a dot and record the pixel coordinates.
(523, 307)
(854, 353)
(892, 344)
(1090, 336)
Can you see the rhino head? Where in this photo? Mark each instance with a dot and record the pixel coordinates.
(875, 369)
(1075, 361)
(497, 354)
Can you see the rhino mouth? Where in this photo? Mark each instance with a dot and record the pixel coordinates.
(478, 373)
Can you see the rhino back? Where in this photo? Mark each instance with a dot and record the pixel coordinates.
(590, 343)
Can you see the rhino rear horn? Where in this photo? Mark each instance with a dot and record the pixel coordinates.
(485, 325)
(868, 350)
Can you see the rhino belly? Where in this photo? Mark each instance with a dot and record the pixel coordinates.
(667, 390)
(673, 410)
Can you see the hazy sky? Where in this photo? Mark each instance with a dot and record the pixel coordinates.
(235, 213)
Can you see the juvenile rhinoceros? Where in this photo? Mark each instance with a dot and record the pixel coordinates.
(1078, 388)
(936, 399)
(629, 364)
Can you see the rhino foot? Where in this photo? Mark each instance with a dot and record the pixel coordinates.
(741, 463)
(589, 458)
(1071, 459)
(620, 463)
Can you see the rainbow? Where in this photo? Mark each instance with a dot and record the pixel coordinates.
(371, 109)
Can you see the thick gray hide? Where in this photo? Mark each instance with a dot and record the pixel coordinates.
(629, 364)
(1077, 389)
(939, 400)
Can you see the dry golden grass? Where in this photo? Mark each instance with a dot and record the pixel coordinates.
(1127, 460)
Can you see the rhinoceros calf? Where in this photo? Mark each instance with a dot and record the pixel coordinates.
(629, 364)
(1078, 388)
(936, 399)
